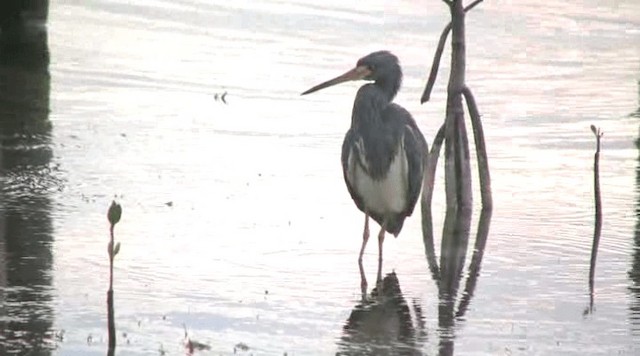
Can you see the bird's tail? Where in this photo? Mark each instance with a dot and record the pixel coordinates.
(394, 225)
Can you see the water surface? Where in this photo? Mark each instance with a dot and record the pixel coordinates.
(236, 220)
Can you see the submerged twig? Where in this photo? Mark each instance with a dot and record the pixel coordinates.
(598, 213)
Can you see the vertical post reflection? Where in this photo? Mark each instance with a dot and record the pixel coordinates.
(25, 178)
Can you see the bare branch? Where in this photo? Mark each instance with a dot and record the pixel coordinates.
(472, 5)
(481, 149)
(426, 95)
(462, 163)
(448, 2)
(432, 162)
(427, 194)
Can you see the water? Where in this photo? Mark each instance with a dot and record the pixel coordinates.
(236, 222)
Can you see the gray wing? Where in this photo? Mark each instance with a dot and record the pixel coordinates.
(350, 144)
(416, 149)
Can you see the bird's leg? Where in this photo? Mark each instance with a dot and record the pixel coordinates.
(365, 237)
(379, 276)
(380, 242)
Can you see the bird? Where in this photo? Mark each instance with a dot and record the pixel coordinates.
(383, 153)
(221, 97)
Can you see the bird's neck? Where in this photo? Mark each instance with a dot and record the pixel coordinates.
(389, 86)
(370, 101)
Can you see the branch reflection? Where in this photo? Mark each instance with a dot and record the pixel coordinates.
(634, 272)
(448, 275)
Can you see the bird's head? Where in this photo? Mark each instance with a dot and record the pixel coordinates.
(382, 67)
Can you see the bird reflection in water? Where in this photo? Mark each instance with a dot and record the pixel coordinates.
(383, 323)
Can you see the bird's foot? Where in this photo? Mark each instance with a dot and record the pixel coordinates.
(363, 280)
(379, 274)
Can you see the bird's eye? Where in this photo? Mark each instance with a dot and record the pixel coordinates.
(371, 67)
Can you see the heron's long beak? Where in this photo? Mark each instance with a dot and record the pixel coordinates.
(356, 73)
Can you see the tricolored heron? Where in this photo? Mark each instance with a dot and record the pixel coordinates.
(384, 152)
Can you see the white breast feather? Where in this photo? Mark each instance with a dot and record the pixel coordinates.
(386, 195)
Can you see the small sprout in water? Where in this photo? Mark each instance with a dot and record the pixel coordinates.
(115, 212)
(596, 131)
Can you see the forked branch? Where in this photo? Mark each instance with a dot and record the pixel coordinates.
(426, 95)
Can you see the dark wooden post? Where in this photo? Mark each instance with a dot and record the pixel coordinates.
(23, 32)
